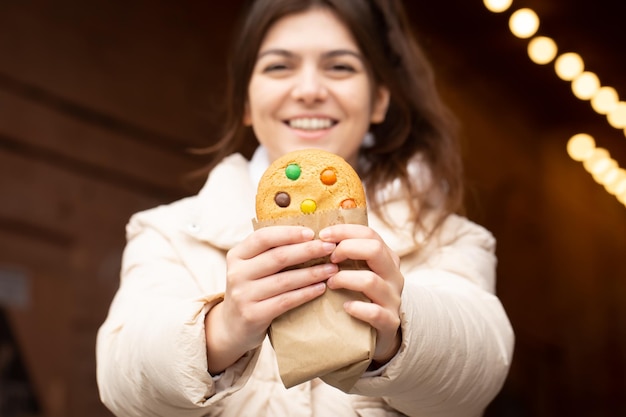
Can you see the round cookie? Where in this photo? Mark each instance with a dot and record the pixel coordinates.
(306, 182)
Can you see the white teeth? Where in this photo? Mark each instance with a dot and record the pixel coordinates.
(310, 124)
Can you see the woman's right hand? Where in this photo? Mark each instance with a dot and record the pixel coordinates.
(259, 289)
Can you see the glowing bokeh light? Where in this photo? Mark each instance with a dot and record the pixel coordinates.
(617, 116)
(497, 6)
(586, 85)
(524, 23)
(542, 50)
(581, 146)
(605, 100)
(608, 176)
(569, 66)
(598, 161)
(617, 186)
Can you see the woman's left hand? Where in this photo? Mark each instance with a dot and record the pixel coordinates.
(382, 284)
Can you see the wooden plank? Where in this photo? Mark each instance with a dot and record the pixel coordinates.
(37, 131)
(67, 232)
(42, 326)
(156, 65)
(60, 201)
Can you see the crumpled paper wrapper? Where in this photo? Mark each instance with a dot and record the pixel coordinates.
(319, 339)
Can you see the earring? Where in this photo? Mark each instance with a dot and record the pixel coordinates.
(368, 140)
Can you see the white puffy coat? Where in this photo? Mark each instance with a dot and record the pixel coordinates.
(151, 353)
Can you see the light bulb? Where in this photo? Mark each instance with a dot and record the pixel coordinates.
(606, 170)
(524, 23)
(611, 178)
(569, 66)
(585, 85)
(622, 198)
(542, 50)
(497, 6)
(605, 100)
(618, 185)
(617, 116)
(595, 161)
(581, 146)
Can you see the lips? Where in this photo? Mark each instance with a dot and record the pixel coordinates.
(311, 123)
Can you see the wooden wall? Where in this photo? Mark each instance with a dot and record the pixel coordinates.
(99, 102)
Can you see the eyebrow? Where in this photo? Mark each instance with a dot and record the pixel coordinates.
(330, 54)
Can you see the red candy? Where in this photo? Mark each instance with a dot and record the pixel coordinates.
(348, 203)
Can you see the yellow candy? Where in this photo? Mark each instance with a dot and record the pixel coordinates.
(308, 206)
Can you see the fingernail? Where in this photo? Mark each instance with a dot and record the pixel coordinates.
(308, 234)
(329, 246)
(330, 269)
(324, 234)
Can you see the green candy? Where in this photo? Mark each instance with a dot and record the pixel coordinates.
(293, 171)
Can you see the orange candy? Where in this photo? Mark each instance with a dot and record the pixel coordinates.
(328, 176)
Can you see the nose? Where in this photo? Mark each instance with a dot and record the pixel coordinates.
(309, 86)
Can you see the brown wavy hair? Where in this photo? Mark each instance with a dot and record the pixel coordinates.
(417, 122)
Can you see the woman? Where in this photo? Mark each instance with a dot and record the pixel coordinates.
(186, 332)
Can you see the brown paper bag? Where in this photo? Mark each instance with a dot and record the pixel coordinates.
(319, 339)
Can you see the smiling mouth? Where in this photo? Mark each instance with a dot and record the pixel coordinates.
(311, 123)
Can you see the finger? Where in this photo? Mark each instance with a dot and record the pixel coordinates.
(362, 243)
(339, 232)
(275, 306)
(270, 237)
(373, 251)
(277, 259)
(385, 321)
(369, 284)
(291, 280)
(379, 258)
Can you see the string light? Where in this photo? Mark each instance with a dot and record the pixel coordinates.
(605, 100)
(542, 50)
(617, 116)
(569, 66)
(581, 146)
(524, 23)
(585, 85)
(598, 162)
(497, 6)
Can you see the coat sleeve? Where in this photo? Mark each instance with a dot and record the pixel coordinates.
(151, 349)
(457, 340)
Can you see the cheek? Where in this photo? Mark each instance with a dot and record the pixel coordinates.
(262, 98)
(357, 99)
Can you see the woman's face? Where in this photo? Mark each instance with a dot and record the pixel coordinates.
(310, 88)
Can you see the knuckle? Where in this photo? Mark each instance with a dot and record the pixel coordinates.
(279, 256)
(285, 302)
(231, 257)
(247, 316)
(263, 238)
(370, 279)
(281, 282)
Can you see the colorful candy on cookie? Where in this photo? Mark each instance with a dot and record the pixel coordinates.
(306, 182)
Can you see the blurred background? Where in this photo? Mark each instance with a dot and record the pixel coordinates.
(100, 102)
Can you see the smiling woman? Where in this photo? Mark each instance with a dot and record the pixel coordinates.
(186, 334)
(312, 88)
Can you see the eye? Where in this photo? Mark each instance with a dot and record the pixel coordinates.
(275, 67)
(343, 67)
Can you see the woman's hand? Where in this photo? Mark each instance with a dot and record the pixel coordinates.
(259, 289)
(382, 284)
